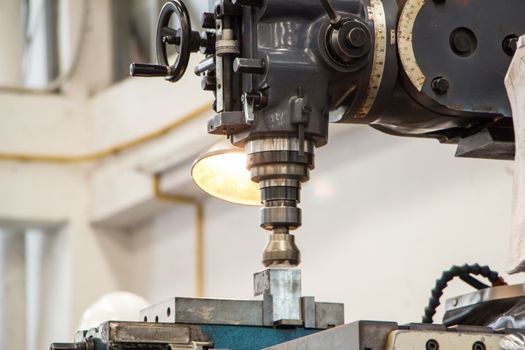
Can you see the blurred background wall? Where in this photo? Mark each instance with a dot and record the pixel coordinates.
(383, 216)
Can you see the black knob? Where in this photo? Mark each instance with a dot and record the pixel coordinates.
(148, 70)
(89, 345)
(85, 345)
(248, 65)
(208, 20)
(63, 346)
(207, 43)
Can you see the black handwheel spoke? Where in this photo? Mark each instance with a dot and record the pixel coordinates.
(180, 38)
(168, 31)
(174, 31)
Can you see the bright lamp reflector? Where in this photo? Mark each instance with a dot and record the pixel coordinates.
(224, 175)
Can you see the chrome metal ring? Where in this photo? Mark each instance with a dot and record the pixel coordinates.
(281, 170)
(279, 182)
(278, 144)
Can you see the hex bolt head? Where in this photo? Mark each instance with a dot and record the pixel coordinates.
(356, 37)
(510, 45)
(440, 85)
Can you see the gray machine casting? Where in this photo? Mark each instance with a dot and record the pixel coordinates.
(281, 70)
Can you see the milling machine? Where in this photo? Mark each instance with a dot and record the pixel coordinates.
(281, 71)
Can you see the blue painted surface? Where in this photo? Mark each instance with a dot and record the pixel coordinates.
(251, 338)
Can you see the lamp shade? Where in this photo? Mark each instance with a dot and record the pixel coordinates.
(221, 172)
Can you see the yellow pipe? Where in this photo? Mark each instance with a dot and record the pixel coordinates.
(199, 210)
(65, 159)
(199, 229)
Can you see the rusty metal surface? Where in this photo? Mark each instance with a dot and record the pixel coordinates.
(118, 335)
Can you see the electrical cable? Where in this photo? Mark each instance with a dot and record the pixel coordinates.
(57, 83)
(473, 282)
(464, 273)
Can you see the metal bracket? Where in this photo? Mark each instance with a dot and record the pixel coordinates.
(250, 101)
(281, 305)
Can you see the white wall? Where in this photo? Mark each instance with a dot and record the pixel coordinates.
(11, 40)
(383, 216)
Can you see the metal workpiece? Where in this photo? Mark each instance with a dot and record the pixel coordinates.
(282, 288)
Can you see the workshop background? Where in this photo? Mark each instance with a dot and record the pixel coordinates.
(82, 146)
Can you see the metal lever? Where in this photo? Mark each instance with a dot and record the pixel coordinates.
(335, 18)
(148, 70)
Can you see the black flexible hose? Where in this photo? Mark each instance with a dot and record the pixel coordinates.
(449, 275)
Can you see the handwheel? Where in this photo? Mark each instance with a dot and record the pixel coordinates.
(181, 37)
(173, 29)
